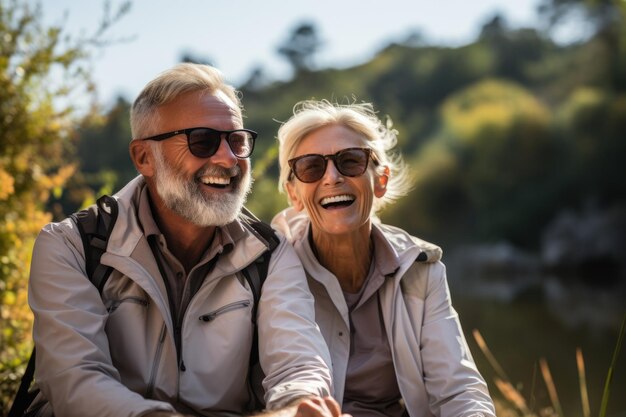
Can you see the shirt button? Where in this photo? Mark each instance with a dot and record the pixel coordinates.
(179, 275)
(340, 333)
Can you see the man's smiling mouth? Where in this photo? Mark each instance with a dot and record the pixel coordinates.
(218, 182)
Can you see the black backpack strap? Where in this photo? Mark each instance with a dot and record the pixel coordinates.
(256, 272)
(24, 397)
(94, 224)
(255, 275)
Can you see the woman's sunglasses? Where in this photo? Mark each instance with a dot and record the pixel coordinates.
(350, 162)
(203, 142)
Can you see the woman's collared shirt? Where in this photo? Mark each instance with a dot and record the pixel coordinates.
(371, 384)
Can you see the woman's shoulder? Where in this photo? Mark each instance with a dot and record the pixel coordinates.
(405, 243)
(291, 223)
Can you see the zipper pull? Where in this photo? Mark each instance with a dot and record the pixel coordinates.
(208, 317)
(228, 307)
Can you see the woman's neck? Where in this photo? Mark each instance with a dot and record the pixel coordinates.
(348, 256)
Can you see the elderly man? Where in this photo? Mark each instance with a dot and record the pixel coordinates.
(171, 330)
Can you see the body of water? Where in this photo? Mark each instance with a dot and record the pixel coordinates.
(526, 318)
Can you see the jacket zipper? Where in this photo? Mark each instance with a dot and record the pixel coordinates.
(155, 364)
(135, 300)
(228, 307)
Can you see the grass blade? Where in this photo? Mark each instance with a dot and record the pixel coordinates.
(492, 359)
(511, 394)
(609, 376)
(547, 377)
(582, 379)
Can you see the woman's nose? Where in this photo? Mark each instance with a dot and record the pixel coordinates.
(332, 174)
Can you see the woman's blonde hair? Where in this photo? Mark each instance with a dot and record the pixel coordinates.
(169, 85)
(310, 115)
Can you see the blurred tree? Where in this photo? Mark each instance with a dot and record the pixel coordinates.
(500, 134)
(256, 80)
(299, 49)
(192, 57)
(514, 51)
(41, 72)
(603, 13)
(104, 147)
(437, 209)
(105, 166)
(410, 83)
(489, 172)
(607, 49)
(592, 122)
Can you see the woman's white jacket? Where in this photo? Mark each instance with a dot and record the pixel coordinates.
(434, 367)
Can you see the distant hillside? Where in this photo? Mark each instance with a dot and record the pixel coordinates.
(502, 134)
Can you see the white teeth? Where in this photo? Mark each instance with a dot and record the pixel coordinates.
(215, 180)
(336, 199)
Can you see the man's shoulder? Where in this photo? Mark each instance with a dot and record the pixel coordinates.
(260, 229)
(64, 229)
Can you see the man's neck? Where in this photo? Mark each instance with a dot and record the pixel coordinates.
(187, 241)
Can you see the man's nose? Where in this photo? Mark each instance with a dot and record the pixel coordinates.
(224, 156)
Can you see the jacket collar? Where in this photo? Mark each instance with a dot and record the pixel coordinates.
(127, 232)
(295, 225)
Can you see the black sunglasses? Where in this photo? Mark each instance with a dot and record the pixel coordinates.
(203, 142)
(350, 162)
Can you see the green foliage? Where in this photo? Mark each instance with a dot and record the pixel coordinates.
(33, 139)
(591, 123)
(609, 377)
(104, 162)
(41, 73)
(500, 133)
(265, 201)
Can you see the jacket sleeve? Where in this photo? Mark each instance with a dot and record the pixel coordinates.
(292, 351)
(73, 364)
(454, 385)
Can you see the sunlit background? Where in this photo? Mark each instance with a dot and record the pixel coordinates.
(240, 36)
(511, 114)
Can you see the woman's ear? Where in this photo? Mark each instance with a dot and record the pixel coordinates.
(141, 155)
(380, 183)
(296, 203)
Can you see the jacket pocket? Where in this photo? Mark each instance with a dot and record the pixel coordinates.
(135, 300)
(225, 309)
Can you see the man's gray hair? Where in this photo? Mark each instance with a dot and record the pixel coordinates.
(169, 85)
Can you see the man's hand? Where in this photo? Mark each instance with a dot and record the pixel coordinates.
(319, 407)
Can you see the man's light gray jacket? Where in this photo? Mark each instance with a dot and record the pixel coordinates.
(114, 355)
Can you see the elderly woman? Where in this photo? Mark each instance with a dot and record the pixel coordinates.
(381, 296)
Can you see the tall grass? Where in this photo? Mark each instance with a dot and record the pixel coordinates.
(525, 408)
(609, 376)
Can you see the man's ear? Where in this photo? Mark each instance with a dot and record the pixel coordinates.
(142, 157)
(380, 183)
(293, 196)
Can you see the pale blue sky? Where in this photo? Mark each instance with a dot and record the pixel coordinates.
(237, 35)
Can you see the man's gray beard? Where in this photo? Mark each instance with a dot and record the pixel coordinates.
(185, 198)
